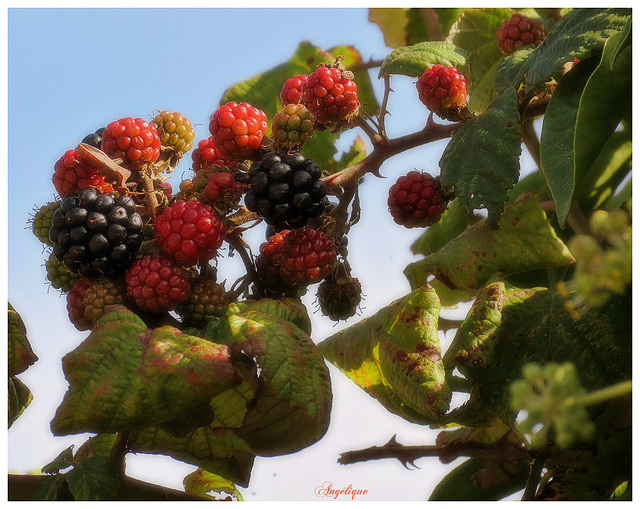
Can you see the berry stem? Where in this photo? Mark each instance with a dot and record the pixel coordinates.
(350, 176)
(118, 453)
(534, 479)
(236, 242)
(602, 395)
(531, 140)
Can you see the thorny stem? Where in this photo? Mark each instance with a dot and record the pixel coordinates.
(446, 324)
(407, 454)
(534, 479)
(350, 176)
(535, 109)
(373, 135)
(383, 107)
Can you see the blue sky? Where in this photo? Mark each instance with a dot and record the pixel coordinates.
(74, 70)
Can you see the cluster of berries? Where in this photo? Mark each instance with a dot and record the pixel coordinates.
(118, 234)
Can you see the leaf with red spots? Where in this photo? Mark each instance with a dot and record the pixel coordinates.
(126, 376)
(394, 355)
(291, 401)
(524, 240)
(475, 339)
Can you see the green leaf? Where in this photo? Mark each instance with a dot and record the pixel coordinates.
(618, 200)
(201, 483)
(511, 69)
(608, 171)
(622, 41)
(51, 488)
(356, 153)
(605, 101)
(20, 355)
(475, 341)
(459, 485)
(447, 17)
(478, 254)
(413, 60)
(399, 26)
(394, 356)
(475, 32)
(293, 401)
(20, 398)
(453, 222)
(539, 329)
(558, 134)
(482, 160)
(94, 479)
(97, 445)
(125, 376)
(62, 461)
(289, 309)
(215, 449)
(230, 407)
(579, 34)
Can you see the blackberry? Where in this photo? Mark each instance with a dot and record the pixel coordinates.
(94, 139)
(96, 233)
(286, 190)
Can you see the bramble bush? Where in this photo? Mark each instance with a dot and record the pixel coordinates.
(178, 364)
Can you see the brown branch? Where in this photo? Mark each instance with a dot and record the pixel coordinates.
(534, 479)
(535, 109)
(350, 176)
(236, 242)
(407, 454)
(23, 487)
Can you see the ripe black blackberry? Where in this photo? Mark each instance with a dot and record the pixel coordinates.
(96, 233)
(94, 139)
(286, 190)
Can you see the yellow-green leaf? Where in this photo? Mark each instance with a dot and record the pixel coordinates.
(524, 240)
(394, 356)
(126, 376)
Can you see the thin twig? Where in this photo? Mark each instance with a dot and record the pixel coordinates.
(236, 242)
(369, 64)
(531, 140)
(383, 107)
(118, 452)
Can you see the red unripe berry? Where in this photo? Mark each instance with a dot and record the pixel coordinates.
(208, 154)
(135, 141)
(156, 284)
(238, 129)
(330, 94)
(416, 200)
(306, 256)
(72, 173)
(291, 92)
(519, 31)
(443, 90)
(189, 231)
